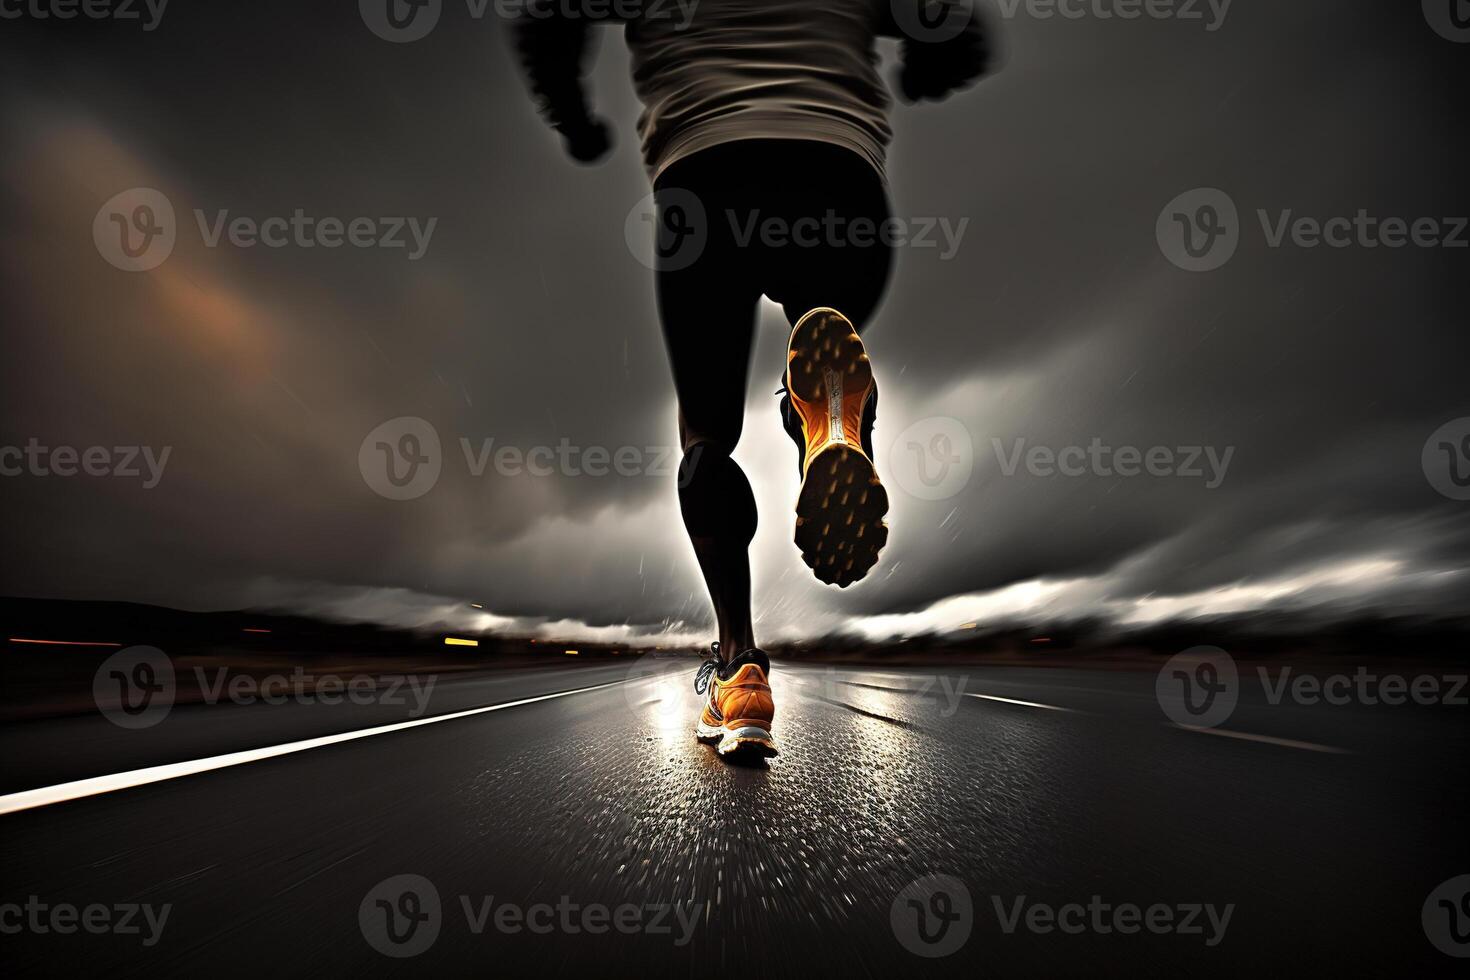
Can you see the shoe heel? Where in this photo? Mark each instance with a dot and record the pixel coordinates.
(825, 341)
(749, 740)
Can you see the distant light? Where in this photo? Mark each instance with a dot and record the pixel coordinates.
(253, 629)
(571, 653)
(64, 643)
(454, 641)
(1041, 639)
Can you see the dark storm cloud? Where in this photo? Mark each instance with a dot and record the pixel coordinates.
(528, 321)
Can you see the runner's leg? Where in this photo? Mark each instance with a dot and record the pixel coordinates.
(708, 311)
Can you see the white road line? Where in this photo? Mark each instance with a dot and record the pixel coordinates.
(97, 785)
(1029, 704)
(1289, 743)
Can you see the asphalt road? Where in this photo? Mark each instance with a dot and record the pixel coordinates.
(1080, 833)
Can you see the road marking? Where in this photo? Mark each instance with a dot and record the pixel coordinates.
(1288, 743)
(870, 714)
(97, 785)
(1029, 704)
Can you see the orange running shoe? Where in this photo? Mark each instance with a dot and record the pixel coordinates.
(832, 406)
(737, 714)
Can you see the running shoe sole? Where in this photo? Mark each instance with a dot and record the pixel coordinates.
(748, 740)
(839, 512)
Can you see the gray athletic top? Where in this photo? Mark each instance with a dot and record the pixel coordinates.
(759, 69)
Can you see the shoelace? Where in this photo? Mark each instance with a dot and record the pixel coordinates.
(707, 669)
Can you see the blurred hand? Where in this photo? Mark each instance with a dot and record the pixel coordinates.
(935, 69)
(588, 141)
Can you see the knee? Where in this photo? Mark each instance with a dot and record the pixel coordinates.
(714, 495)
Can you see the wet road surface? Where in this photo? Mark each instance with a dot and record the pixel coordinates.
(591, 832)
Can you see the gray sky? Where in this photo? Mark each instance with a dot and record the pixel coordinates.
(528, 320)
